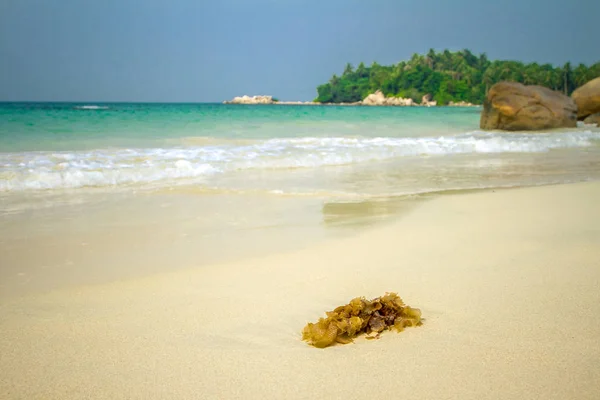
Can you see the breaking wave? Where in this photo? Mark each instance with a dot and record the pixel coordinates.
(99, 168)
(91, 107)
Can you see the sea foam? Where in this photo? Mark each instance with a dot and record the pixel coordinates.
(114, 167)
(91, 107)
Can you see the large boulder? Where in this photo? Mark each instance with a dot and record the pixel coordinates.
(513, 106)
(374, 99)
(587, 98)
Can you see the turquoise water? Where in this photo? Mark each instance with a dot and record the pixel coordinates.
(347, 152)
(71, 126)
(110, 191)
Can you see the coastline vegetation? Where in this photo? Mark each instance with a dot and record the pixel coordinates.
(448, 76)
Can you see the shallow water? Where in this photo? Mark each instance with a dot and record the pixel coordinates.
(91, 191)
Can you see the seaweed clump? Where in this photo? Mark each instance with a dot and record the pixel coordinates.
(361, 316)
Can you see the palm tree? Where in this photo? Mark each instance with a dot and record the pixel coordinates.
(469, 58)
(431, 58)
(334, 80)
(483, 61)
(580, 75)
(361, 70)
(348, 70)
(530, 74)
(566, 70)
(490, 76)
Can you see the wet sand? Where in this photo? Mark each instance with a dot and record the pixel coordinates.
(508, 282)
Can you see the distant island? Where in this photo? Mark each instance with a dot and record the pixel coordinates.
(264, 100)
(446, 78)
(458, 77)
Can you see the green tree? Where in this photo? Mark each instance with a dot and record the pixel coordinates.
(567, 75)
(448, 76)
(431, 59)
(483, 62)
(580, 75)
(362, 71)
(335, 80)
(324, 94)
(349, 69)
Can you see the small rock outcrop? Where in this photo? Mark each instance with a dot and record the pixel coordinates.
(587, 98)
(379, 99)
(251, 100)
(399, 101)
(592, 119)
(513, 106)
(426, 101)
(461, 104)
(374, 99)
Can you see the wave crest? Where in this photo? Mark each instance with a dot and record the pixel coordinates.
(55, 170)
(91, 107)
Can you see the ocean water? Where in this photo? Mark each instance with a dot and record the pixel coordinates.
(212, 180)
(296, 150)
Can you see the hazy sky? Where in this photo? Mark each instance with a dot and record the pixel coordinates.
(200, 50)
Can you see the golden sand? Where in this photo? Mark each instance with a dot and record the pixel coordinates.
(508, 282)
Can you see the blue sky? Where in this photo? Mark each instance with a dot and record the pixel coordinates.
(199, 51)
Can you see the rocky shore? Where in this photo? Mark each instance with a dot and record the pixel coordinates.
(265, 100)
(587, 98)
(251, 100)
(509, 106)
(374, 99)
(512, 106)
(462, 104)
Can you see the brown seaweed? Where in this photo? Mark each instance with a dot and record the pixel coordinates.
(361, 316)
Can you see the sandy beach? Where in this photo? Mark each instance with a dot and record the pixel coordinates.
(508, 282)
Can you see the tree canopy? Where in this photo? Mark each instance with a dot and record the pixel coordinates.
(448, 76)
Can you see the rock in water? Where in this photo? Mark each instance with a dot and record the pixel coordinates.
(587, 98)
(251, 100)
(593, 119)
(512, 106)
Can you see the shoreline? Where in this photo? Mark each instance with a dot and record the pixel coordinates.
(33, 274)
(375, 99)
(507, 281)
(358, 104)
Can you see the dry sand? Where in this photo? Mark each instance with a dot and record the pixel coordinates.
(508, 281)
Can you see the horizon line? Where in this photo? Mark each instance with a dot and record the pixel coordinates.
(92, 102)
